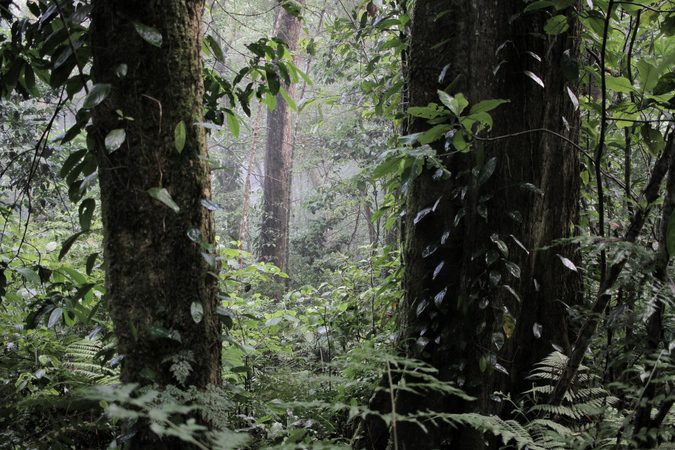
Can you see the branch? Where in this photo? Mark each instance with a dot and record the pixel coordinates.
(587, 331)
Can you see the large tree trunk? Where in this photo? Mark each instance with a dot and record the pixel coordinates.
(460, 281)
(155, 269)
(274, 235)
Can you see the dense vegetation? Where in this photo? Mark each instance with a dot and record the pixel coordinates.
(138, 300)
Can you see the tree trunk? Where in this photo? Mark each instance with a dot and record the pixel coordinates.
(274, 234)
(156, 274)
(477, 304)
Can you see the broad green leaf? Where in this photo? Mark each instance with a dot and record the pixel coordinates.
(486, 171)
(486, 105)
(68, 243)
(427, 112)
(434, 134)
(668, 25)
(163, 196)
(270, 100)
(29, 274)
(54, 317)
(665, 84)
(150, 35)
(619, 84)
(482, 364)
(648, 75)
(459, 142)
(180, 134)
(91, 260)
(96, 95)
(197, 311)
(556, 25)
(86, 211)
(115, 139)
(233, 123)
(390, 166)
(653, 139)
(215, 48)
(289, 100)
(538, 5)
(455, 104)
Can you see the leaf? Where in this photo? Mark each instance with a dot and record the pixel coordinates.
(121, 70)
(482, 364)
(163, 196)
(487, 105)
(575, 100)
(567, 263)
(514, 293)
(486, 171)
(535, 78)
(91, 260)
(212, 206)
(150, 35)
(68, 243)
(86, 211)
(538, 5)
(215, 48)
(115, 139)
(648, 75)
(30, 275)
(512, 268)
(289, 100)
(233, 123)
(556, 25)
(653, 139)
(455, 104)
(665, 84)
(54, 317)
(96, 95)
(180, 134)
(197, 311)
(536, 330)
(619, 84)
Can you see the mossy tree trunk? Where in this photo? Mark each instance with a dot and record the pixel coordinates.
(274, 234)
(481, 297)
(156, 273)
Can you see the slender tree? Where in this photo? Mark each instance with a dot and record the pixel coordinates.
(274, 235)
(483, 300)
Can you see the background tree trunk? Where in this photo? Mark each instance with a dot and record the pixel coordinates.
(472, 309)
(155, 271)
(274, 234)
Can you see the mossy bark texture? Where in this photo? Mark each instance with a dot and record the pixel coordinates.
(156, 273)
(483, 302)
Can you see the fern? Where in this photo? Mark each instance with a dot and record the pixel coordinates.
(80, 357)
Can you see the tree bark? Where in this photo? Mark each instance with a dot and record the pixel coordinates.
(274, 234)
(477, 304)
(156, 273)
